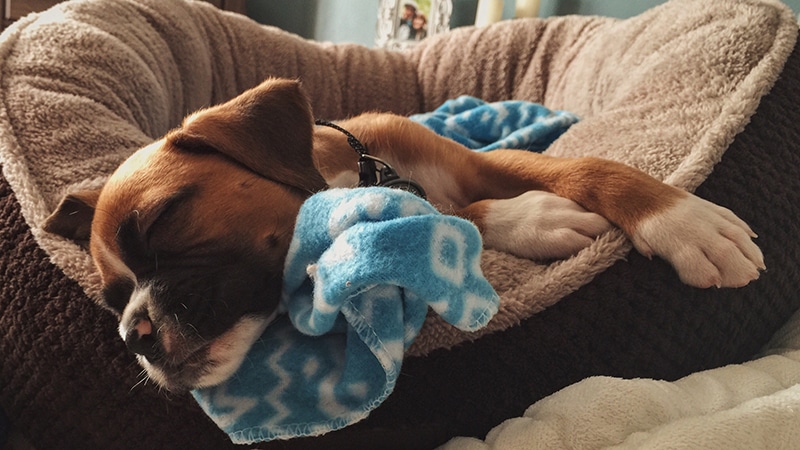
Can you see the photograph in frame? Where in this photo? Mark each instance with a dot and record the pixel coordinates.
(404, 23)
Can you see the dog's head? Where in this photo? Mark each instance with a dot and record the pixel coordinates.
(191, 232)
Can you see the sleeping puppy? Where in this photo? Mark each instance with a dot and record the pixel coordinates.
(190, 233)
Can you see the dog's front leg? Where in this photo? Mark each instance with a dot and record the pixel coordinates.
(707, 244)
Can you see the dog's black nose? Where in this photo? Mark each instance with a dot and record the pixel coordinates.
(141, 339)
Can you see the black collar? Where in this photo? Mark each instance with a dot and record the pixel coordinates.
(368, 172)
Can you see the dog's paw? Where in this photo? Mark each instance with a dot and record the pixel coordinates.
(539, 225)
(707, 244)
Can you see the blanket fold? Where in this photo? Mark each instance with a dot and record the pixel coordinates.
(483, 126)
(362, 270)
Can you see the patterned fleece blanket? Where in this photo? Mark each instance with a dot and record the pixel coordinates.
(363, 268)
(483, 126)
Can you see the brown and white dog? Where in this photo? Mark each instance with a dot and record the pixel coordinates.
(190, 233)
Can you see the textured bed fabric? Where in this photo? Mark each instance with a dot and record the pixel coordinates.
(751, 405)
(88, 82)
(66, 379)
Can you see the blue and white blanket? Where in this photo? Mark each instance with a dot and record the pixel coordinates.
(361, 272)
(364, 267)
(483, 126)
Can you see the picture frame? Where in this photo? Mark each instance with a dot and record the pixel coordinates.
(404, 23)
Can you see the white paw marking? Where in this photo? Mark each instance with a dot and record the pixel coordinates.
(705, 243)
(539, 225)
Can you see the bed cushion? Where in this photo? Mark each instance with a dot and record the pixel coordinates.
(86, 83)
(755, 404)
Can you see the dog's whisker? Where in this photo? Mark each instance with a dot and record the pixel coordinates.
(197, 332)
(143, 378)
(141, 382)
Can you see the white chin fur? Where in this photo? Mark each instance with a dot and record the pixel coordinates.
(229, 350)
(154, 373)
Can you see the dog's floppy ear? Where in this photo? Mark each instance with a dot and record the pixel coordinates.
(268, 129)
(72, 218)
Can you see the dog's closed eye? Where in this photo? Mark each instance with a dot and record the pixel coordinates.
(165, 211)
(138, 231)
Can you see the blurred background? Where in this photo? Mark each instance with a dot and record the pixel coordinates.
(355, 20)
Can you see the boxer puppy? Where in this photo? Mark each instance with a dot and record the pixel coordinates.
(190, 233)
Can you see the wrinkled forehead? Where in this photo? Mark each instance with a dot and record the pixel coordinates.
(161, 175)
(136, 162)
(144, 183)
(161, 165)
(136, 186)
(157, 171)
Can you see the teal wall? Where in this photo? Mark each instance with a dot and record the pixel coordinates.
(324, 20)
(341, 20)
(612, 8)
(355, 20)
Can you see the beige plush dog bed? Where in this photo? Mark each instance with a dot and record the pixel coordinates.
(87, 82)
